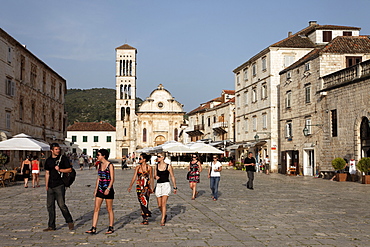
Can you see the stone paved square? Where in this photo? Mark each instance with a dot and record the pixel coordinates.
(281, 211)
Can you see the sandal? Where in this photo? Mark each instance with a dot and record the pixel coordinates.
(163, 223)
(91, 231)
(145, 222)
(110, 230)
(165, 218)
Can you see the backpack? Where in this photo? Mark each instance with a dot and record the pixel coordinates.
(67, 178)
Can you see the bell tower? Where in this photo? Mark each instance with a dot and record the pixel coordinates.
(126, 118)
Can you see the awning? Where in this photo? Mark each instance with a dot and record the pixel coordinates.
(232, 147)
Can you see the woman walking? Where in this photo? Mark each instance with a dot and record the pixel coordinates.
(103, 190)
(195, 168)
(35, 172)
(163, 188)
(26, 170)
(144, 180)
(214, 175)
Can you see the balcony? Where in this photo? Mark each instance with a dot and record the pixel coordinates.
(197, 131)
(220, 127)
(346, 75)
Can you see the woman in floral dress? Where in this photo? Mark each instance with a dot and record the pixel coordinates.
(144, 181)
(195, 168)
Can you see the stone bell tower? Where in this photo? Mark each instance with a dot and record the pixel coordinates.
(126, 118)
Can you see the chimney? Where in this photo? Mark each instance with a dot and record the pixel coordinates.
(311, 23)
(289, 33)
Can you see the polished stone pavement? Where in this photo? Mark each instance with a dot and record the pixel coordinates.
(281, 211)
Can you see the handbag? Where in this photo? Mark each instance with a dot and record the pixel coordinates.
(188, 175)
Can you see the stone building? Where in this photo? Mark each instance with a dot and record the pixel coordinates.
(213, 120)
(157, 120)
(316, 114)
(88, 137)
(31, 95)
(256, 89)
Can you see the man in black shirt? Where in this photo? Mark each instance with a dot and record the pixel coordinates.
(55, 187)
(250, 167)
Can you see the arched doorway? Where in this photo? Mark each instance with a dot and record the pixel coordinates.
(159, 140)
(365, 137)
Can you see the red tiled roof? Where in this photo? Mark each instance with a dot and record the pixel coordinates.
(298, 40)
(229, 91)
(126, 47)
(339, 45)
(91, 126)
(348, 44)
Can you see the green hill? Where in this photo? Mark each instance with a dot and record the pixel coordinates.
(90, 105)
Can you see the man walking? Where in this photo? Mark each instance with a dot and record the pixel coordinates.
(250, 167)
(54, 166)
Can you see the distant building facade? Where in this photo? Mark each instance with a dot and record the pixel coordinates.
(31, 95)
(88, 137)
(214, 120)
(256, 89)
(324, 106)
(157, 120)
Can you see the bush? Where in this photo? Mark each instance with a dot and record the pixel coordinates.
(338, 164)
(364, 165)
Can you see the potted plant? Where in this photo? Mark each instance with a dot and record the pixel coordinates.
(339, 164)
(364, 166)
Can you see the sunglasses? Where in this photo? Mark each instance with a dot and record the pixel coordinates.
(215, 157)
(98, 155)
(159, 156)
(140, 158)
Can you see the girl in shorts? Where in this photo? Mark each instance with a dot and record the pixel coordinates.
(163, 188)
(103, 190)
(35, 165)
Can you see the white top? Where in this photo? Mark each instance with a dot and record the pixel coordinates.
(215, 167)
(267, 160)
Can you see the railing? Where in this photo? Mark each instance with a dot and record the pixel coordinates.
(199, 127)
(220, 125)
(347, 74)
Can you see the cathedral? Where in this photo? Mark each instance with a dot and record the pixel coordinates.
(158, 118)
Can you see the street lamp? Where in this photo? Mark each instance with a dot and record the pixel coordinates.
(306, 131)
(256, 137)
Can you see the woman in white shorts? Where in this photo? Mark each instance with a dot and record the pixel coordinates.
(35, 165)
(163, 188)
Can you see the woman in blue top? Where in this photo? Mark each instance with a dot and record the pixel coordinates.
(103, 190)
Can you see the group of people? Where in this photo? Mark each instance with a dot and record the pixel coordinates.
(31, 166)
(144, 176)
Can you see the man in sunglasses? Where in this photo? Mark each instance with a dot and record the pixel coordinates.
(55, 188)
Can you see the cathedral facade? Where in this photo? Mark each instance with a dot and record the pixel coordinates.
(156, 121)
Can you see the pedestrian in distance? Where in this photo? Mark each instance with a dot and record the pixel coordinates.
(163, 189)
(267, 165)
(35, 172)
(214, 174)
(144, 181)
(26, 170)
(103, 190)
(250, 167)
(195, 168)
(55, 165)
(81, 160)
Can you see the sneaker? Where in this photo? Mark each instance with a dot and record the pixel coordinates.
(71, 226)
(49, 229)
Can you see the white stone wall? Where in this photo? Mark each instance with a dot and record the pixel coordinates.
(90, 145)
(268, 106)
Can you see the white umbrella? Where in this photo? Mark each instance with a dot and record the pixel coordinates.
(23, 142)
(203, 148)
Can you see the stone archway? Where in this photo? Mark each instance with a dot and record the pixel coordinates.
(365, 137)
(159, 140)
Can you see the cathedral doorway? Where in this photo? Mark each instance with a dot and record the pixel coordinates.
(365, 137)
(159, 140)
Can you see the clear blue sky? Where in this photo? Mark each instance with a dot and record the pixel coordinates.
(190, 46)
